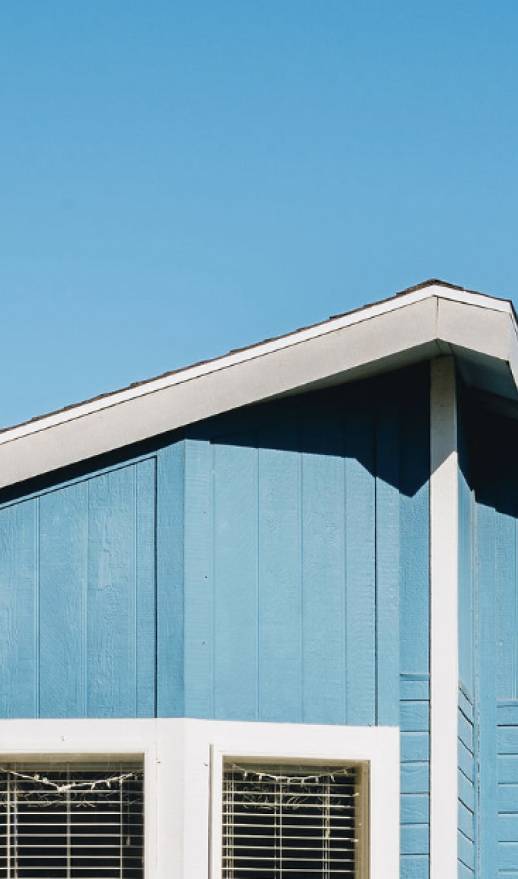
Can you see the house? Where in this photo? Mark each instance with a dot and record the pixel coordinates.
(259, 616)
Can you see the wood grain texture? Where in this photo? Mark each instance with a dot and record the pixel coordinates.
(235, 582)
(305, 520)
(280, 593)
(388, 566)
(323, 573)
(77, 598)
(486, 681)
(360, 569)
(170, 527)
(414, 628)
(19, 610)
(63, 578)
(198, 580)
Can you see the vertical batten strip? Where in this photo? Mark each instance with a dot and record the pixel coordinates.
(444, 619)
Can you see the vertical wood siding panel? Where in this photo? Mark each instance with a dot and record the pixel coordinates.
(506, 622)
(323, 493)
(170, 580)
(415, 541)
(235, 582)
(487, 677)
(506, 641)
(19, 610)
(387, 568)
(467, 728)
(360, 570)
(466, 654)
(63, 571)
(280, 624)
(414, 625)
(145, 588)
(111, 609)
(199, 587)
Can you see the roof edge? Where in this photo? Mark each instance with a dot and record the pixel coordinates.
(418, 292)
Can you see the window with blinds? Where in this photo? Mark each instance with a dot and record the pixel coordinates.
(285, 821)
(71, 821)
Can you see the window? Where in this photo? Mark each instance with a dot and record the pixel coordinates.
(71, 820)
(89, 820)
(288, 820)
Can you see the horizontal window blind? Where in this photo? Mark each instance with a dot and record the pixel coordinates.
(71, 821)
(285, 821)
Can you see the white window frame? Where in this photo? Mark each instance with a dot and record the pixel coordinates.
(183, 762)
(40, 740)
(375, 747)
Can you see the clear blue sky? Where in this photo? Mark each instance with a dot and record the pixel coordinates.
(180, 178)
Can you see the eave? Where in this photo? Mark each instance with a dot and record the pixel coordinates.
(424, 322)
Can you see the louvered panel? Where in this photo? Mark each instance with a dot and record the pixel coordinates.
(289, 821)
(71, 821)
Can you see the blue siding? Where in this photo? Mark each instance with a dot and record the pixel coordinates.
(278, 671)
(170, 511)
(307, 571)
(414, 639)
(467, 709)
(306, 535)
(19, 610)
(270, 564)
(494, 520)
(77, 596)
(467, 786)
(323, 540)
(485, 569)
(506, 684)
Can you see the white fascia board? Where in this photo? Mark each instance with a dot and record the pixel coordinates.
(375, 338)
(252, 353)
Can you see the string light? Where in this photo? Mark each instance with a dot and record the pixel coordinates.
(71, 785)
(319, 778)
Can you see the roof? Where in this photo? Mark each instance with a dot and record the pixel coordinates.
(427, 320)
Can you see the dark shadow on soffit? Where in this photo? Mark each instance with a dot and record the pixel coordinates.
(369, 420)
(488, 453)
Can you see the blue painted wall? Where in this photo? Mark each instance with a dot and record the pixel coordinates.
(269, 564)
(77, 598)
(305, 571)
(467, 715)
(493, 481)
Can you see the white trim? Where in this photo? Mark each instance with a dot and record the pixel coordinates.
(251, 353)
(177, 754)
(444, 621)
(90, 738)
(376, 746)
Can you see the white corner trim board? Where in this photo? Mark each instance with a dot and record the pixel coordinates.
(182, 766)
(444, 620)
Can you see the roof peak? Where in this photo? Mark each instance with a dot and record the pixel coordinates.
(387, 331)
(448, 285)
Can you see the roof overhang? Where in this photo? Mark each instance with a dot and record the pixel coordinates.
(431, 320)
